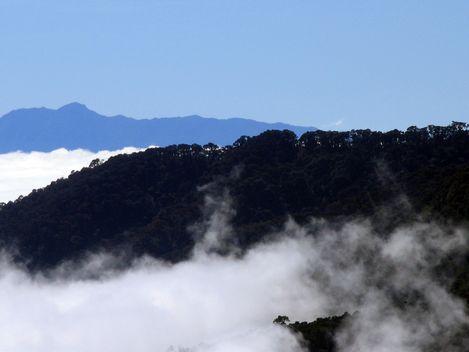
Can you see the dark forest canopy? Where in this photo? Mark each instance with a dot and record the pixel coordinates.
(319, 335)
(145, 202)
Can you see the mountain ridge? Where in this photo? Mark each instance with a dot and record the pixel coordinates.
(75, 126)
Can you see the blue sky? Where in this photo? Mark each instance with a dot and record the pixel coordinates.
(330, 64)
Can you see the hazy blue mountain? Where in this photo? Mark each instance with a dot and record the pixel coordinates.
(75, 126)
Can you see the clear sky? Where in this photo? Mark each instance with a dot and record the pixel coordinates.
(330, 64)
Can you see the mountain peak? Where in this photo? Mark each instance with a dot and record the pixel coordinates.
(74, 107)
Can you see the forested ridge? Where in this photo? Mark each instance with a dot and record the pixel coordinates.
(319, 335)
(145, 202)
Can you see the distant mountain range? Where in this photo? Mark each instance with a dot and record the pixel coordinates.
(75, 126)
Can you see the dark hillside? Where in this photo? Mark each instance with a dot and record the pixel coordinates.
(319, 335)
(146, 201)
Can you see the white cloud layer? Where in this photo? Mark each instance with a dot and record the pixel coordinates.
(21, 172)
(209, 303)
(212, 303)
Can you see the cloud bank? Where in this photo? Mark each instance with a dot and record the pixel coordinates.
(209, 303)
(224, 303)
(21, 172)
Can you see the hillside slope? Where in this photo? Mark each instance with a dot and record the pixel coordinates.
(146, 201)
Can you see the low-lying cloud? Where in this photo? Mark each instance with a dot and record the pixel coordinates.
(21, 172)
(209, 303)
(215, 303)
